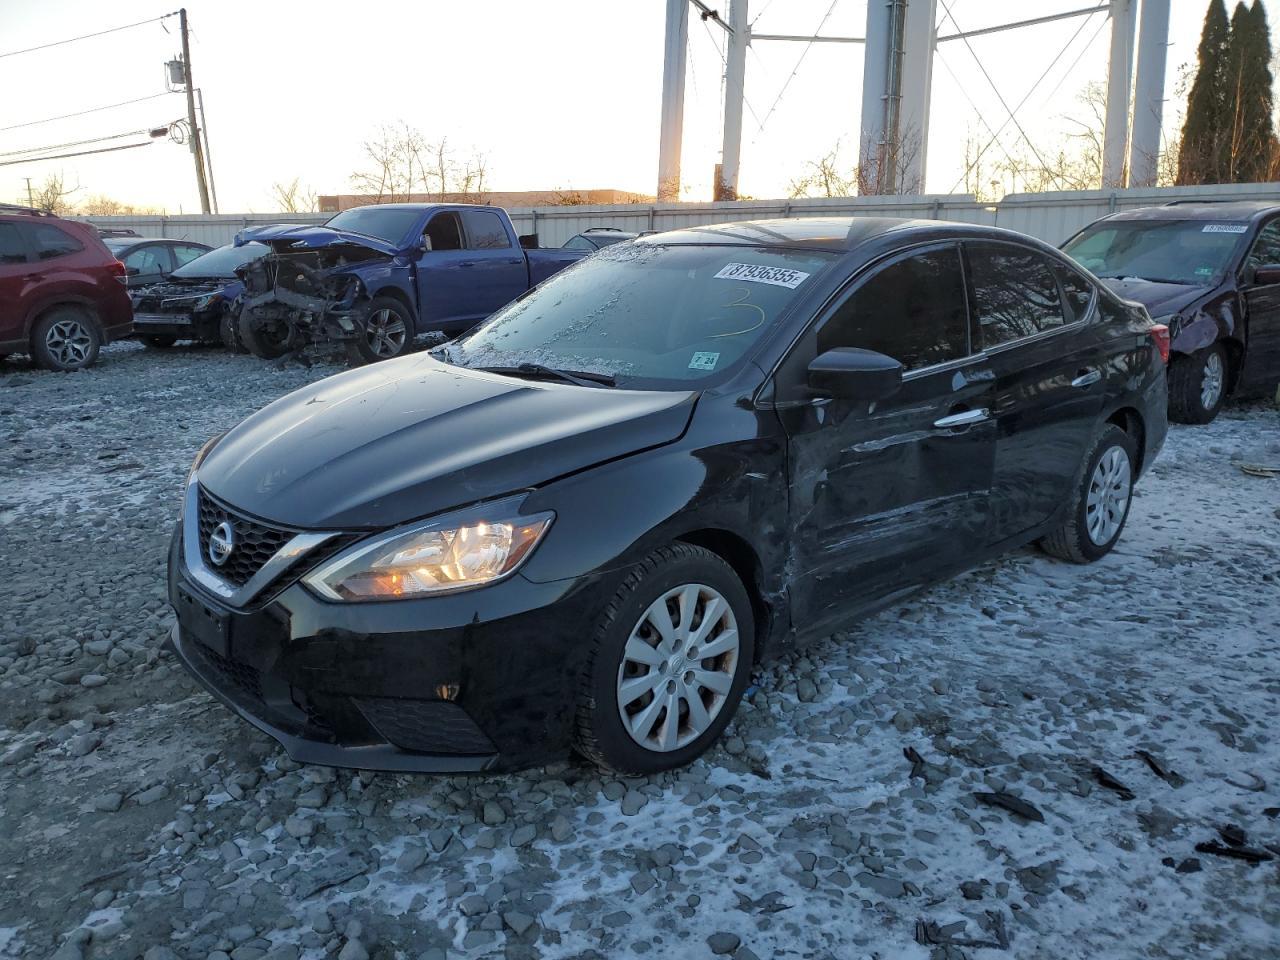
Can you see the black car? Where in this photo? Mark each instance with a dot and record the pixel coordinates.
(584, 522)
(148, 260)
(597, 238)
(196, 302)
(1211, 272)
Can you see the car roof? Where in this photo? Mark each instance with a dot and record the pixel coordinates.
(828, 233)
(1201, 210)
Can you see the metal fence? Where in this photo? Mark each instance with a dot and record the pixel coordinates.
(1052, 217)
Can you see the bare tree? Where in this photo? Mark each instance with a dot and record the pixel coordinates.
(54, 195)
(294, 197)
(401, 160)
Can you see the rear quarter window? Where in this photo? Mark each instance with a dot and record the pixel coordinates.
(50, 242)
(12, 249)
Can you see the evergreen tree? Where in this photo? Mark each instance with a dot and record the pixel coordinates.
(1250, 142)
(1203, 132)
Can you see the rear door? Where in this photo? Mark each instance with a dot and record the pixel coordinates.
(497, 266)
(886, 495)
(1050, 366)
(1261, 373)
(15, 265)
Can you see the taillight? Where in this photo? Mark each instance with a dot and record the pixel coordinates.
(1160, 334)
(118, 271)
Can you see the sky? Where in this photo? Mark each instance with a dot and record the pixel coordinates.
(557, 94)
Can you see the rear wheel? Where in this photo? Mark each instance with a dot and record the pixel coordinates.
(158, 342)
(667, 663)
(1099, 503)
(1198, 385)
(387, 332)
(65, 338)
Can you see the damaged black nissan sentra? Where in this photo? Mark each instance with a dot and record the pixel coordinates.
(581, 525)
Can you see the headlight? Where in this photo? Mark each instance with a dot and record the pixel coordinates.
(1170, 320)
(458, 551)
(205, 302)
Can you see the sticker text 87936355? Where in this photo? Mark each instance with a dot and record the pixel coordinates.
(758, 273)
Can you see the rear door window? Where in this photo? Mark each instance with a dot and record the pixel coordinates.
(49, 242)
(12, 248)
(1015, 293)
(184, 254)
(150, 260)
(912, 310)
(484, 230)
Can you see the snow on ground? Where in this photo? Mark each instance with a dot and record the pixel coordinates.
(138, 817)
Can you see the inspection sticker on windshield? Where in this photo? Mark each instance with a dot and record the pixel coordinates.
(1225, 228)
(756, 273)
(704, 361)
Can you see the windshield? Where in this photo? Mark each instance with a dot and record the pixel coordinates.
(1167, 251)
(115, 246)
(385, 223)
(663, 316)
(221, 262)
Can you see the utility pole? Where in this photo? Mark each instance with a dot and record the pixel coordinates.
(1148, 100)
(31, 200)
(1115, 136)
(208, 151)
(197, 152)
(673, 67)
(735, 75)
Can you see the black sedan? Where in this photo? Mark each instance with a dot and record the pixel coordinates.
(149, 260)
(582, 524)
(1211, 272)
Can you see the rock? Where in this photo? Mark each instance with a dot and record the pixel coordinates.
(473, 905)
(159, 953)
(151, 795)
(517, 921)
(633, 802)
(413, 857)
(92, 680)
(494, 814)
(352, 950)
(107, 802)
(83, 744)
(904, 720)
(299, 827)
(723, 943)
(522, 836)
(619, 918)
(971, 890)
(885, 886)
(806, 690)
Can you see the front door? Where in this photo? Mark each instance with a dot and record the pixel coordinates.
(1261, 373)
(442, 283)
(1034, 318)
(886, 495)
(147, 264)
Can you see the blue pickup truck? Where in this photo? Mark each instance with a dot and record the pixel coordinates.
(374, 277)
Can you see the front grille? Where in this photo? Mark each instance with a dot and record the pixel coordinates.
(255, 543)
(425, 726)
(243, 679)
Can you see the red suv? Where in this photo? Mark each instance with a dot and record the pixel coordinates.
(62, 292)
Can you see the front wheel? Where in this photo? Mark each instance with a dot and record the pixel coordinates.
(1099, 504)
(1198, 385)
(667, 663)
(268, 340)
(386, 332)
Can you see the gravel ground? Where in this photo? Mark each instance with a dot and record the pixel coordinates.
(138, 818)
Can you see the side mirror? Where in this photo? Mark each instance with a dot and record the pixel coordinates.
(424, 245)
(855, 374)
(132, 271)
(1266, 274)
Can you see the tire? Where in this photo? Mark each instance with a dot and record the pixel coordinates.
(269, 341)
(1099, 505)
(674, 573)
(65, 338)
(229, 334)
(1198, 385)
(385, 333)
(158, 342)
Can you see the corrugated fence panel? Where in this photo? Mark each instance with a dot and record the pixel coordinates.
(1052, 217)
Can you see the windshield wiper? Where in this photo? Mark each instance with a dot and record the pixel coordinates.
(582, 378)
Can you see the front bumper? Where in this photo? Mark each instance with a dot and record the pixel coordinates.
(184, 326)
(474, 681)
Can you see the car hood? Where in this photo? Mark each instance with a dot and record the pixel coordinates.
(284, 236)
(1160, 299)
(408, 438)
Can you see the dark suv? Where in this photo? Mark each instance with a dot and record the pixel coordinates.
(584, 522)
(1211, 272)
(62, 293)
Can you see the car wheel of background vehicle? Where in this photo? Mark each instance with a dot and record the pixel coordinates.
(157, 342)
(229, 334)
(65, 338)
(268, 341)
(387, 332)
(1198, 385)
(667, 663)
(1100, 501)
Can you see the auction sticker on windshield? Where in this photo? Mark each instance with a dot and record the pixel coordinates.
(1225, 228)
(756, 273)
(704, 361)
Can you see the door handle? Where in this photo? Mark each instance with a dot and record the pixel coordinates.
(965, 418)
(1086, 378)
(466, 263)
(513, 262)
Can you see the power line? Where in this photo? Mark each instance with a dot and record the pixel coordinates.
(81, 113)
(82, 153)
(74, 143)
(100, 33)
(796, 69)
(1022, 102)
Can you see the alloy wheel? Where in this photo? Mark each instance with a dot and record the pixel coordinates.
(678, 667)
(69, 342)
(1211, 384)
(385, 333)
(1108, 496)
